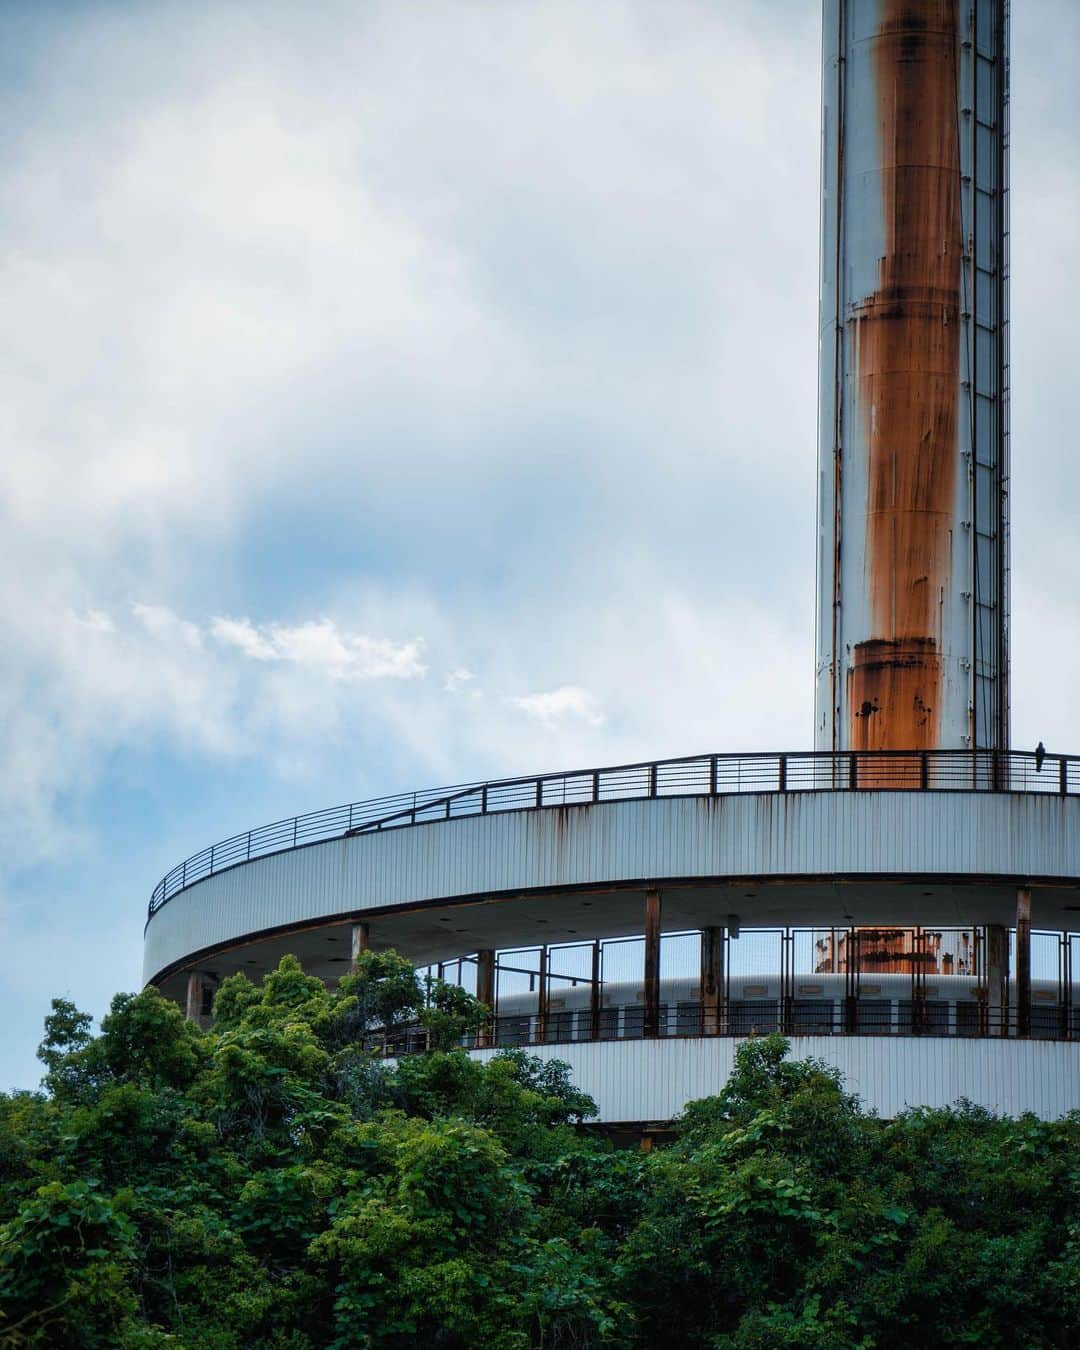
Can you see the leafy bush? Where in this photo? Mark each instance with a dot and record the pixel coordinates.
(273, 1182)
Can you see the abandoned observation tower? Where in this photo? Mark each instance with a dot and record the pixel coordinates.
(897, 899)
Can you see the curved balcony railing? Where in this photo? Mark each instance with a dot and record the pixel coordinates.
(694, 776)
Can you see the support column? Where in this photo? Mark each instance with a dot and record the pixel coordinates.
(542, 998)
(594, 993)
(196, 983)
(361, 942)
(651, 1025)
(485, 992)
(1023, 962)
(712, 979)
(997, 978)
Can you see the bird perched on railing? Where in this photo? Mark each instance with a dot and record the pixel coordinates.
(1040, 755)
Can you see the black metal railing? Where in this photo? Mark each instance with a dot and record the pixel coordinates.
(693, 776)
(932, 1018)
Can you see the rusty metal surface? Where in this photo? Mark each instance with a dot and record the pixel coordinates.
(912, 544)
(907, 344)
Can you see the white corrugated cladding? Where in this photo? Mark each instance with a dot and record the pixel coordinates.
(653, 1080)
(768, 835)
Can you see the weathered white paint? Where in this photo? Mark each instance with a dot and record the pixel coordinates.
(653, 1080)
(979, 840)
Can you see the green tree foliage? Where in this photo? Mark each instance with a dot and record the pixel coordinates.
(276, 1181)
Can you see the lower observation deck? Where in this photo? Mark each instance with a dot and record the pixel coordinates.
(766, 854)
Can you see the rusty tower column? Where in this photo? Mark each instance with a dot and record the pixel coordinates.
(912, 632)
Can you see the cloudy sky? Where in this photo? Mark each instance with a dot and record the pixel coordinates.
(397, 394)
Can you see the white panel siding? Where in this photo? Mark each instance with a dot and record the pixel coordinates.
(767, 835)
(653, 1080)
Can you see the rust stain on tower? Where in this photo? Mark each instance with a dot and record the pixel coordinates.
(907, 336)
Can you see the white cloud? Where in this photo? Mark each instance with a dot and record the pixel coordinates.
(321, 646)
(93, 621)
(242, 634)
(161, 623)
(457, 680)
(567, 703)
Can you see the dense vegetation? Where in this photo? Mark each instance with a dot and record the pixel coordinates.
(271, 1183)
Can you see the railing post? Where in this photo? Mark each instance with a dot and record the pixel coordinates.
(924, 771)
(596, 785)
(183, 875)
(295, 822)
(212, 848)
(712, 775)
(652, 780)
(853, 770)
(1063, 776)
(781, 776)
(539, 793)
(483, 800)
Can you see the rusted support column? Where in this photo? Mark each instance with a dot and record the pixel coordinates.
(712, 979)
(1023, 962)
(196, 983)
(361, 941)
(651, 1025)
(997, 976)
(485, 992)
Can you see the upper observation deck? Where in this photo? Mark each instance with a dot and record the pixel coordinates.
(754, 840)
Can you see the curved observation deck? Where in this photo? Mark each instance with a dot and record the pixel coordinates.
(937, 837)
(833, 897)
